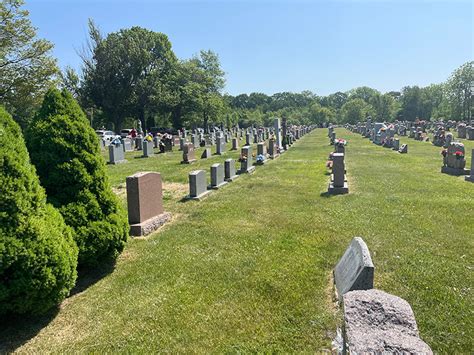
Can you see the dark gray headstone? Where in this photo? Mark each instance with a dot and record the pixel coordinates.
(217, 176)
(147, 149)
(206, 153)
(116, 154)
(338, 183)
(197, 184)
(139, 143)
(355, 270)
(229, 170)
(470, 177)
(220, 145)
(235, 143)
(127, 145)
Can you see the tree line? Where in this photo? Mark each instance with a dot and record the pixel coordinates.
(134, 74)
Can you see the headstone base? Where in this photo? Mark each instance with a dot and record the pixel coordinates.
(188, 161)
(274, 156)
(117, 162)
(250, 170)
(261, 162)
(150, 225)
(232, 178)
(340, 190)
(469, 178)
(200, 197)
(217, 187)
(453, 171)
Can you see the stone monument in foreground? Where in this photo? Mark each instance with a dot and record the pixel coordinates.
(380, 323)
(145, 203)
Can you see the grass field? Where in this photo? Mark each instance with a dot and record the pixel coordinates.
(249, 268)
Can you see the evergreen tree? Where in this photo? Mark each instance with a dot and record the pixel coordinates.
(38, 256)
(65, 151)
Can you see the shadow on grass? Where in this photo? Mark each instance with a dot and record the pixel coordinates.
(326, 194)
(89, 276)
(17, 330)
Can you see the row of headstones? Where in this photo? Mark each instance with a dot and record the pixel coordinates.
(375, 322)
(222, 174)
(145, 191)
(466, 131)
(454, 161)
(117, 150)
(418, 130)
(371, 129)
(381, 134)
(252, 135)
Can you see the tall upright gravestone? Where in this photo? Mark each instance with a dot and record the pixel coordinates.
(145, 203)
(220, 145)
(338, 184)
(277, 128)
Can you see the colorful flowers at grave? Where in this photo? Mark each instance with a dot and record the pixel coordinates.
(340, 142)
(459, 154)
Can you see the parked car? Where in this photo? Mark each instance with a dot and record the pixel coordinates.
(105, 135)
(124, 133)
(155, 130)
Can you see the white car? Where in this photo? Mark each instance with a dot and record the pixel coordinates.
(105, 135)
(124, 133)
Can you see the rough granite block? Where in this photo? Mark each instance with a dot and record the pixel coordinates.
(376, 322)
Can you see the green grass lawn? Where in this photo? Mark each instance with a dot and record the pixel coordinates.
(249, 268)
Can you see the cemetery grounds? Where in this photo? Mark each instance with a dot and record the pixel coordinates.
(249, 268)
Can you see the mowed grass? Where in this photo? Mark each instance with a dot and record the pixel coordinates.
(249, 268)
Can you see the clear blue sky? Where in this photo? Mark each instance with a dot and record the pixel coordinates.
(274, 46)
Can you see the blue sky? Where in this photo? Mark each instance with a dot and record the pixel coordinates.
(273, 46)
